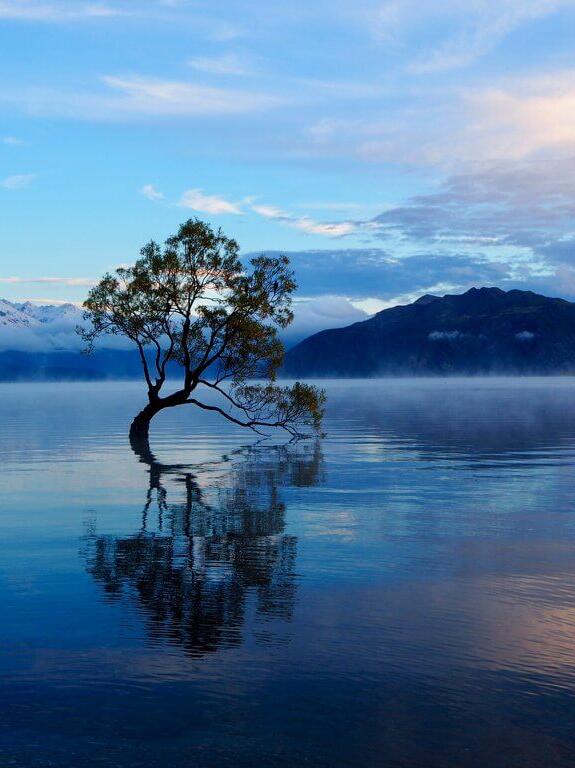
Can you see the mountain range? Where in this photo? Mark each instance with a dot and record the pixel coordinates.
(482, 331)
(39, 342)
(31, 315)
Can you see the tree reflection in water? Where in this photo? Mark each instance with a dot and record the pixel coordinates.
(200, 555)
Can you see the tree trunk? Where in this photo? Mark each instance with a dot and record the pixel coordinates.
(140, 427)
(140, 431)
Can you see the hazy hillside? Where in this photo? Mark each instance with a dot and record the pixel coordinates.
(482, 331)
(39, 342)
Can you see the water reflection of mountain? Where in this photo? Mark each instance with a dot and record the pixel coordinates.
(202, 556)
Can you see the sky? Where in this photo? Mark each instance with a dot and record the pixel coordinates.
(390, 147)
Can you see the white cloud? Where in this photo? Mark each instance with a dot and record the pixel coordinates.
(373, 305)
(519, 217)
(491, 23)
(68, 281)
(19, 181)
(316, 313)
(270, 212)
(29, 10)
(473, 28)
(523, 117)
(332, 206)
(44, 302)
(150, 191)
(133, 97)
(226, 64)
(224, 32)
(165, 97)
(329, 229)
(196, 200)
(11, 141)
(305, 223)
(515, 120)
(513, 204)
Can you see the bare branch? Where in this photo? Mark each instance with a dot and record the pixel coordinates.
(252, 424)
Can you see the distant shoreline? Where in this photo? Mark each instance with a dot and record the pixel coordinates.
(500, 375)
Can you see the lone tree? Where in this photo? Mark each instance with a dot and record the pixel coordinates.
(193, 307)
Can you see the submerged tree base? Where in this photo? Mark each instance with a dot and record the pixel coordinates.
(140, 434)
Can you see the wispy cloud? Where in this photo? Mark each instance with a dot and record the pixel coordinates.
(18, 181)
(332, 206)
(217, 205)
(518, 118)
(170, 97)
(305, 223)
(316, 313)
(67, 281)
(133, 98)
(518, 217)
(522, 117)
(511, 204)
(150, 191)
(46, 302)
(473, 29)
(196, 200)
(11, 141)
(372, 304)
(226, 64)
(328, 229)
(30, 10)
(270, 212)
(490, 23)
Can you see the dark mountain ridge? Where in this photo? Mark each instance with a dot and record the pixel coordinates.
(482, 331)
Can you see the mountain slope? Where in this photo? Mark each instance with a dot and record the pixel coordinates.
(28, 315)
(12, 316)
(484, 330)
(39, 342)
(52, 313)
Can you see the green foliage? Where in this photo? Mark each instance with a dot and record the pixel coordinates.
(192, 303)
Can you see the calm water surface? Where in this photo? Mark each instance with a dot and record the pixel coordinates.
(401, 593)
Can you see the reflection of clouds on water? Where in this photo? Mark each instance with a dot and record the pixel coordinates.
(515, 623)
(202, 556)
(522, 625)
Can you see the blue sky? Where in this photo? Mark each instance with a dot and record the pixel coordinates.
(393, 147)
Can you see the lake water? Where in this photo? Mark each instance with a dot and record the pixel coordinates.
(401, 593)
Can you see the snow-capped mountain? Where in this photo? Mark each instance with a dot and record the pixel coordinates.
(40, 343)
(12, 316)
(29, 315)
(51, 313)
(39, 327)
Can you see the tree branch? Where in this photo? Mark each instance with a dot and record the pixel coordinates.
(214, 385)
(252, 424)
(145, 365)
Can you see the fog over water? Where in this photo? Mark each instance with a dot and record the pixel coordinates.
(400, 592)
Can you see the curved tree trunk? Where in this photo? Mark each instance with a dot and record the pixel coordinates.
(140, 431)
(140, 426)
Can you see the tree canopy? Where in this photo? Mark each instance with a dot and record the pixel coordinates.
(192, 307)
